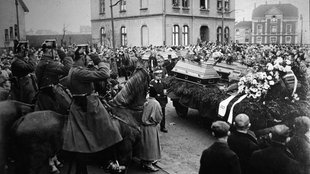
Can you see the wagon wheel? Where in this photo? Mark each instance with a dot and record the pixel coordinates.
(180, 109)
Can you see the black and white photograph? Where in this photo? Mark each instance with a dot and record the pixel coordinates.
(155, 86)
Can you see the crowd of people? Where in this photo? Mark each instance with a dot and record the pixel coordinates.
(30, 75)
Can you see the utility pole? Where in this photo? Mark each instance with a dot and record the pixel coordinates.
(222, 32)
(302, 25)
(17, 20)
(112, 21)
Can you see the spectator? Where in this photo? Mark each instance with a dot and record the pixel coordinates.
(149, 150)
(275, 159)
(299, 144)
(243, 141)
(5, 87)
(218, 158)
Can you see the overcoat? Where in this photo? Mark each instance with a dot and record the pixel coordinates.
(89, 127)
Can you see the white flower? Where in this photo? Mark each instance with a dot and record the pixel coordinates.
(287, 68)
(254, 82)
(281, 68)
(279, 60)
(271, 82)
(258, 94)
(269, 67)
(269, 77)
(288, 62)
(253, 89)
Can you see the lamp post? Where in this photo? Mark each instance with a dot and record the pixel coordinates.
(112, 21)
(17, 20)
(301, 32)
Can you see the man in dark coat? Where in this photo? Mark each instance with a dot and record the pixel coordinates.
(48, 73)
(276, 159)
(299, 144)
(161, 96)
(218, 158)
(23, 81)
(243, 141)
(89, 127)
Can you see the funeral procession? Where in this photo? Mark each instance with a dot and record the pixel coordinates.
(155, 86)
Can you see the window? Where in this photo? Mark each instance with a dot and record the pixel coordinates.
(11, 33)
(227, 5)
(247, 39)
(102, 35)
(247, 31)
(226, 34)
(6, 35)
(185, 3)
(219, 5)
(122, 5)
(273, 28)
(123, 36)
(101, 6)
(288, 39)
(144, 4)
(219, 34)
(259, 29)
(175, 3)
(237, 32)
(144, 36)
(289, 28)
(204, 4)
(185, 35)
(273, 39)
(259, 39)
(16, 30)
(175, 35)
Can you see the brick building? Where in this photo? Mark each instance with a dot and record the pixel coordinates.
(275, 23)
(162, 22)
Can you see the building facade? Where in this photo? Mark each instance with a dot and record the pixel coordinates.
(243, 32)
(162, 22)
(10, 22)
(275, 23)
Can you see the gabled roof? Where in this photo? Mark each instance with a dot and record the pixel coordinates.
(288, 10)
(244, 24)
(22, 3)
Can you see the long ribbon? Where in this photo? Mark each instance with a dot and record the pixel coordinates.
(230, 117)
(223, 105)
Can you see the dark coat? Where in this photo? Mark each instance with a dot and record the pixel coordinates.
(48, 72)
(23, 83)
(159, 87)
(275, 159)
(299, 145)
(89, 127)
(219, 159)
(243, 145)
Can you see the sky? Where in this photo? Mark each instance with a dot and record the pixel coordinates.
(54, 14)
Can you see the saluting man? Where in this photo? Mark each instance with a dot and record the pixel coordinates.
(161, 97)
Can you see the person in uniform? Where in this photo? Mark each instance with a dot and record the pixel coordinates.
(161, 96)
(23, 80)
(89, 128)
(218, 158)
(243, 141)
(48, 73)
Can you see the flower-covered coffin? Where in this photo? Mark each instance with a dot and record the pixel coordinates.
(196, 73)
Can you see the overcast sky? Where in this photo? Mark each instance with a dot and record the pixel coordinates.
(53, 14)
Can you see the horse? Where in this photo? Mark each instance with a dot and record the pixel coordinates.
(39, 135)
(11, 110)
(128, 64)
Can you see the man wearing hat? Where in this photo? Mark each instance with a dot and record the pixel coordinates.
(243, 141)
(161, 97)
(48, 72)
(276, 159)
(218, 158)
(22, 67)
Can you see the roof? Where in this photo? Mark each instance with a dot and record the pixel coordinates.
(288, 10)
(22, 3)
(244, 24)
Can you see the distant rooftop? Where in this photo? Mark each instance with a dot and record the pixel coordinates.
(244, 24)
(288, 10)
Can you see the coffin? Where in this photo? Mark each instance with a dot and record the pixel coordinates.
(196, 73)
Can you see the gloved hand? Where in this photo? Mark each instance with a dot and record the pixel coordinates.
(95, 58)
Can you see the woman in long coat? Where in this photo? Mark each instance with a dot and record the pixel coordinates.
(149, 150)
